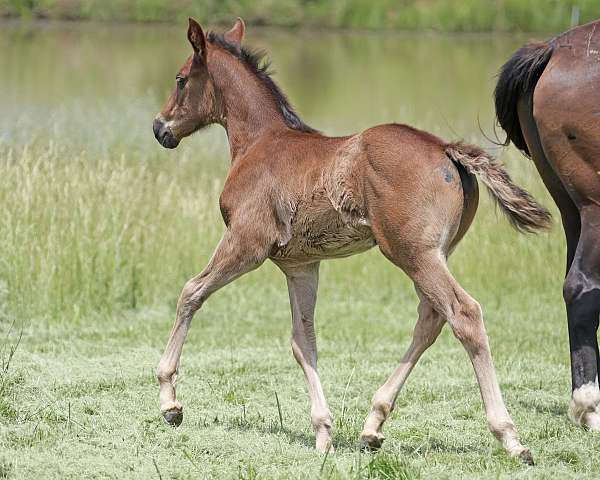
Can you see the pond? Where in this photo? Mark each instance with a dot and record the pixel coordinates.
(89, 83)
(99, 203)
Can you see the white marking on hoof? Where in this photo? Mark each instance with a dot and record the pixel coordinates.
(323, 444)
(585, 406)
(171, 405)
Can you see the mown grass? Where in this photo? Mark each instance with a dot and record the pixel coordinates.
(94, 249)
(100, 228)
(441, 15)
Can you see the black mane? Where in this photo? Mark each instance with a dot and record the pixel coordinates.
(255, 61)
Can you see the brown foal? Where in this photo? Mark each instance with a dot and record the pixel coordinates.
(297, 197)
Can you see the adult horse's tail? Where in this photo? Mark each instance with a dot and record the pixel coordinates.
(518, 78)
(522, 211)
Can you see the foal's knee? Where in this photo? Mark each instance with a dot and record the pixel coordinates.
(192, 297)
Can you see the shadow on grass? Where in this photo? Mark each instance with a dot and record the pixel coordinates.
(437, 446)
(342, 443)
(294, 437)
(556, 409)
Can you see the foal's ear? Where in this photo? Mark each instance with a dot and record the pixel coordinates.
(196, 37)
(236, 34)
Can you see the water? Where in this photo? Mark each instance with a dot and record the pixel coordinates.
(95, 86)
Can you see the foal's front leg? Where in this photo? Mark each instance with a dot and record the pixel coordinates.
(234, 256)
(302, 286)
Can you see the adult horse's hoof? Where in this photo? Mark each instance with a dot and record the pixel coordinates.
(526, 457)
(371, 440)
(173, 416)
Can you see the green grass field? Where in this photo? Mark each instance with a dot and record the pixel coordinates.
(93, 252)
(100, 228)
(440, 15)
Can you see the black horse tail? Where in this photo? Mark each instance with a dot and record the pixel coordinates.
(518, 77)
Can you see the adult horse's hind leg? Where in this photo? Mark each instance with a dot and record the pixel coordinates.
(582, 297)
(571, 147)
(302, 286)
(234, 256)
(427, 329)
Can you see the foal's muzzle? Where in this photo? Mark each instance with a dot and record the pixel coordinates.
(163, 134)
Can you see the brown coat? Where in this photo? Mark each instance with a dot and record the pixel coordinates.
(298, 197)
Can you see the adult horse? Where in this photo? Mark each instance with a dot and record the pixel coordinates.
(297, 197)
(548, 102)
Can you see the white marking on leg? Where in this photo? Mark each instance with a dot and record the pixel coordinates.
(585, 406)
(302, 286)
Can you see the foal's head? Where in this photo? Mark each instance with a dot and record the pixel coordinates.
(195, 101)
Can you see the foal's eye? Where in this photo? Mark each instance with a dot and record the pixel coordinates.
(180, 81)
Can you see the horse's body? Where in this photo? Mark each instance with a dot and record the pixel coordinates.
(297, 197)
(323, 212)
(548, 101)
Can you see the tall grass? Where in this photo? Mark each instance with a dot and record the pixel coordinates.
(82, 232)
(442, 15)
(100, 227)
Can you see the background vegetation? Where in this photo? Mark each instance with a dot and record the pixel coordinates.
(100, 227)
(442, 15)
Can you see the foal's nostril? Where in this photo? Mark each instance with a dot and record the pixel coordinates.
(163, 134)
(157, 126)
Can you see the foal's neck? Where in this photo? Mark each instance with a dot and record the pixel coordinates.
(248, 108)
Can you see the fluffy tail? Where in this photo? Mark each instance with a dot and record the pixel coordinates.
(518, 77)
(522, 211)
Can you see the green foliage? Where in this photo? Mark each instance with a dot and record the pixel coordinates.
(441, 15)
(100, 228)
(385, 466)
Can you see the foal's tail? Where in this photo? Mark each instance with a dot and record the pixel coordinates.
(522, 211)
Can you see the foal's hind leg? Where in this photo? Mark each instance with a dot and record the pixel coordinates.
(463, 313)
(428, 327)
(431, 276)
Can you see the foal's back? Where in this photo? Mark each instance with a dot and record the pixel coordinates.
(341, 195)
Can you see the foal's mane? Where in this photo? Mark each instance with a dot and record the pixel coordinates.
(259, 66)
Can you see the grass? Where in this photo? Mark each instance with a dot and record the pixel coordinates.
(100, 228)
(93, 252)
(441, 15)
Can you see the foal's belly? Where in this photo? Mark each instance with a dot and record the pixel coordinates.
(320, 232)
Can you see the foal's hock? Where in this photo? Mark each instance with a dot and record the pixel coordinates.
(297, 197)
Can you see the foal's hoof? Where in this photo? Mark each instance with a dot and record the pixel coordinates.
(371, 440)
(173, 416)
(526, 457)
(325, 447)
